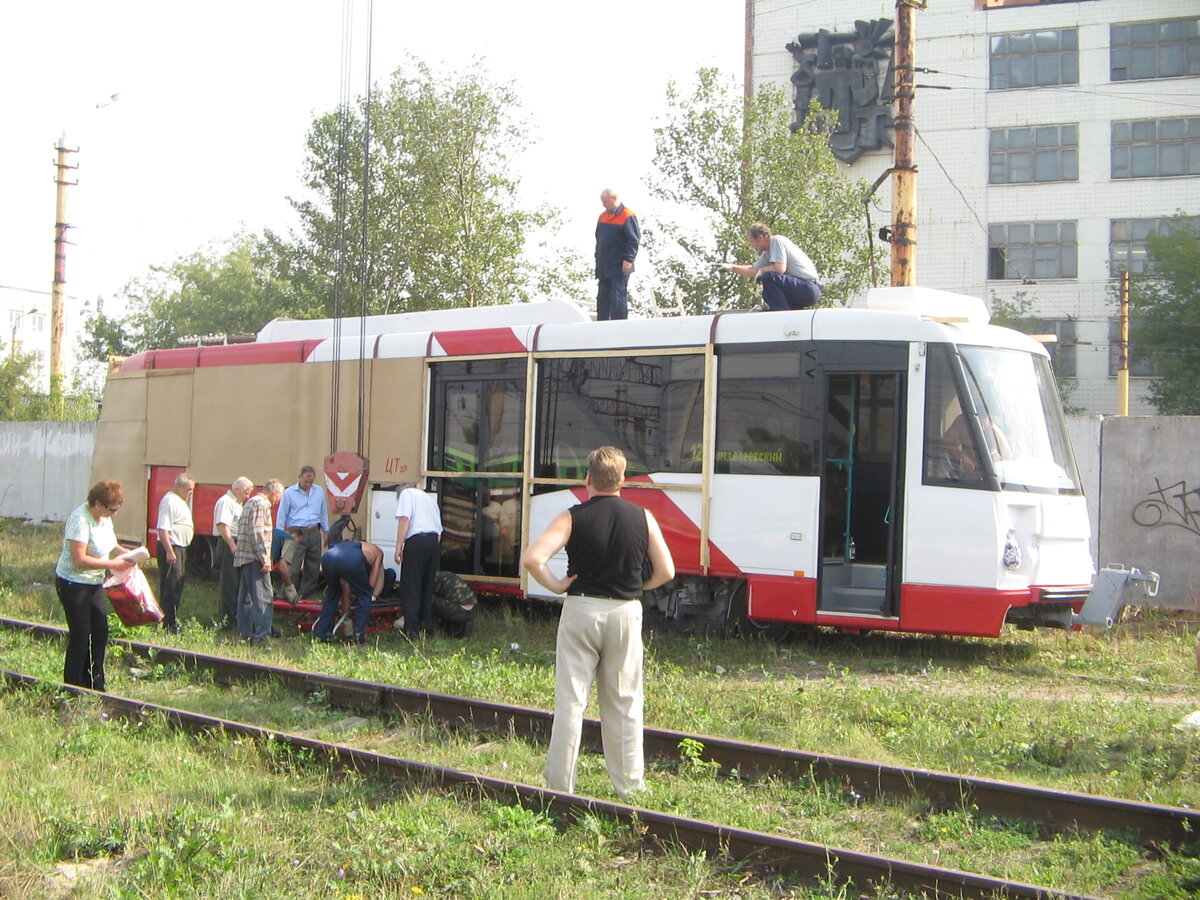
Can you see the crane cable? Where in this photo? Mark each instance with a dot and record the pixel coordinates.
(341, 186)
(365, 255)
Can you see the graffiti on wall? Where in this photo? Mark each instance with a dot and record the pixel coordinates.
(851, 75)
(1174, 504)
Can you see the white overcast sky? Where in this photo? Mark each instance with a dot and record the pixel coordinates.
(215, 99)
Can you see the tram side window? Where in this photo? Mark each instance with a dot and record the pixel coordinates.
(767, 412)
(476, 426)
(951, 458)
(651, 407)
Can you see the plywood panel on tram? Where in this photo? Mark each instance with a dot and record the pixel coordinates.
(120, 449)
(268, 421)
(169, 414)
(397, 420)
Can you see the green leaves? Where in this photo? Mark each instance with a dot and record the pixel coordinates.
(444, 227)
(727, 163)
(1165, 317)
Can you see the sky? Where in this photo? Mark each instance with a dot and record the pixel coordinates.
(206, 134)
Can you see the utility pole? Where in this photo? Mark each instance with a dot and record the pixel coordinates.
(1123, 363)
(58, 291)
(904, 169)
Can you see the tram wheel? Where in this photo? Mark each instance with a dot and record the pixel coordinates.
(454, 603)
(201, 558)
(742, 625)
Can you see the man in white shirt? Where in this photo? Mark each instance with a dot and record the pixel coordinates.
(788, 277)
(418, 553)
(175, 532)
(225, 519)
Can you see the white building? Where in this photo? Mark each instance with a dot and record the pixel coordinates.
(26, 322)
(1070, 128)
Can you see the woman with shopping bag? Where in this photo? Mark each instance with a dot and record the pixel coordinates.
(89, 544)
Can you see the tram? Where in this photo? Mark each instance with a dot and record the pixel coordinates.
(901, 466)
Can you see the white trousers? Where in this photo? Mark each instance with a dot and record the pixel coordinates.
(598, 639)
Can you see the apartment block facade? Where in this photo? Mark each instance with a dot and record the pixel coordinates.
(1054, 136)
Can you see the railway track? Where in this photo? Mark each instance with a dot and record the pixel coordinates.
(782, 854)
(1156, 825)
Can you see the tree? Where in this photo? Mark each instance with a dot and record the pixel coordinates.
(726, 164)
(20, 399)
(229, 288)
(1165, 309)
(444, 227)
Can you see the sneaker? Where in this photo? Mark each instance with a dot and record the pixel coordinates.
(290, 595)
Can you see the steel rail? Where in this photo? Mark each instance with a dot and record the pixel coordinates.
(784, 854)
(1156, 824)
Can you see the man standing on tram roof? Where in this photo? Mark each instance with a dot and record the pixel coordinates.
(618, 237)
(788, 277)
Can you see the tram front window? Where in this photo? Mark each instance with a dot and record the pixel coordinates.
(1021, 419)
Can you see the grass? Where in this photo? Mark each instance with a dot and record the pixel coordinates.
(1086, 711)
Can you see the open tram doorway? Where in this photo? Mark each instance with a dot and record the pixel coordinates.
(861, 491)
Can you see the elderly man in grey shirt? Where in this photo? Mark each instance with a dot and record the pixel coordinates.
(788, 277)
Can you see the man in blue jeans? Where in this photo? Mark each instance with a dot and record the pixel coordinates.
(353, 570)
(788, 277)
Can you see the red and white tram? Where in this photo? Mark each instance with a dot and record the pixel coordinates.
(901, 466)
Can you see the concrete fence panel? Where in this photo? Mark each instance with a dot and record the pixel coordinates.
(44, 468)
(1150, 501)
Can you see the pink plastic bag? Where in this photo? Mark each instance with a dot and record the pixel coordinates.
(132, 599)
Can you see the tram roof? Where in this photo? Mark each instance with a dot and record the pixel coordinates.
(886, 314)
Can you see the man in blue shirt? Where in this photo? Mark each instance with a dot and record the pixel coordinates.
(303, 509)
(618, 236)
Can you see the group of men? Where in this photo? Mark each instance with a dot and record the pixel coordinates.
(615, 551)
(251, 544)
(789, 279)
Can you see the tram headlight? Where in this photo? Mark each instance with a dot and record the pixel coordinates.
(1012, 552)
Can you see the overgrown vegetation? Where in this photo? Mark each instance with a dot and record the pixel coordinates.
(161, 814)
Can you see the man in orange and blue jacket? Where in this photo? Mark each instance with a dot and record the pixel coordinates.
(617, 238)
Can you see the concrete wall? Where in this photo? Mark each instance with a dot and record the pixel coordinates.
(44, 468)
(1141, 475)
(1150, 501)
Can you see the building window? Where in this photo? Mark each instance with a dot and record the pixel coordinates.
(1006, 4)
(1043, 153)
(1062, 349)
(1165, 49)
(1034, 59)
(1129, 240)
(36, 322)
(1139, 364)
(1032, 250)
(1156, 148)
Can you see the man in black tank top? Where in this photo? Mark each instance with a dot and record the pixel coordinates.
(600, 630)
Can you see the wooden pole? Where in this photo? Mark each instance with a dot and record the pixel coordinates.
(58, 290)
(1123, 364)
(904, 170)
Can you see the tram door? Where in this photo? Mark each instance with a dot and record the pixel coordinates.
(861, 491)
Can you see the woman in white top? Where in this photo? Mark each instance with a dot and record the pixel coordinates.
(89, 543)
